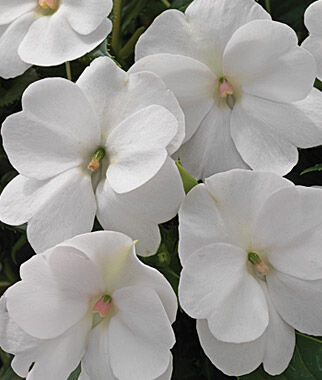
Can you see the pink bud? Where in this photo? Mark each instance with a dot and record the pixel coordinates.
(261, 268)
(103, 306)
(224, 87)
(52, 4)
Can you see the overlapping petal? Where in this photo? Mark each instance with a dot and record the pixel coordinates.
(116, 95)
(12, 9)
(216, 285)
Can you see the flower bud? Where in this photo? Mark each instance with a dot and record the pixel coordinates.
(103, 305)
(225, 88)
(258, 264)
(97, 158)
(51, 4)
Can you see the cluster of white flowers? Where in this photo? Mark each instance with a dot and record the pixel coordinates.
(229, 92)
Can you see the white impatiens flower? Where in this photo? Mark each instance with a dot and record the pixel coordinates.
(89, 299)
(313, 43)
(49, 32)
(243, 82)
(98, 147)
(250, 246)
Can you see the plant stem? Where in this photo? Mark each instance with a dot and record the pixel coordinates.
(116, 26)
(68, 71)
(268, 6)
(128, 48)
(166, 3)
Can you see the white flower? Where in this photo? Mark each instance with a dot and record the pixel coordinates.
(49, 32)
(313, 43)
(243, 82)
(132, 186)
(250, 245)
(89, 299)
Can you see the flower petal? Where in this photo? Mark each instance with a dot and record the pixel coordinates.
(52, 41)
(312, 18)
(52, 297)
(11, 35)
(262, 146)
(189, 34)
(195, 96)
(68, 209)
(115, 95)
(56, 131)
(280, 70)
(140, 334)
(137, 147)
(234, 359)
(211, 149)
(293, 242)
(158, 200)
(200, 223)
(216, 285)
(240, 196)
(114, 255)
(115, 215)
(85, 16)
(12, 9)
(297, 301)
(314, 45)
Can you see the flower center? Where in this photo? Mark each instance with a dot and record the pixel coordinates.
(49, 4)
(96, 160)
(259, 266)
(226, 91)
(103, 306)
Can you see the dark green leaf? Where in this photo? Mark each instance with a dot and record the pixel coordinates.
(75, 374)
(8, 374)
(188, 181)
(315, 168)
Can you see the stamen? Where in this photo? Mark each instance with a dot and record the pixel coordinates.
(259, 265)
(51, 4)
(103, 305)
(97, 158)
(225, 88)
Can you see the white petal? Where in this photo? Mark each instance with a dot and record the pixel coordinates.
(216, 285)
(312, 18)
(85, 16)
(12, 9)
(240, 196)
(314, 45)
(211, 149)
(231, 358)
(56, 131)
(293, 242)
(137, 147)
(11, 64)
(96, 362)
(52, 41)
(114, 255)
(176, 33)
(195, 96)
(299, 123)
(200, 223)
(168, 373)
(158, 200)
(140, 334)
(297, 301)
(114, 214)
(68, 209)
(279, 342)
(261, 145)
(280, 70)
(116, 95)
(52, 296)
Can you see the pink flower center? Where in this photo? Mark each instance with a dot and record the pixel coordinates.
(258, 264)
(103, 305)
(224, 87)
(49, 4)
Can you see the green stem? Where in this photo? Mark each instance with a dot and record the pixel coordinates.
(128, 48)
(166, 3)
(68, 71)
(116, 26)
(268, 6)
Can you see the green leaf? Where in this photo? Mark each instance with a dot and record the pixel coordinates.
(75, 374)
(12, 89)
(306, 363)
(315, 168)
(8, 374)
(181, 4)
(188, 181)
